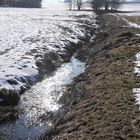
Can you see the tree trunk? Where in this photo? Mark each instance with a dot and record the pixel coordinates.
(79, 7)
(70, 5)
(106, 5)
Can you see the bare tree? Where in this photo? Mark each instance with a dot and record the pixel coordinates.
(75, 3)
(106, 5)
(115, 4)
(79, 4)
(70, 3)
(96, 4)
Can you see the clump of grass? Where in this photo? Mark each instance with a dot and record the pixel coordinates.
(124, 51)
(10, 97)
(8, 107)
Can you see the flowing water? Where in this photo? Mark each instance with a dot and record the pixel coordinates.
(40, 99)
(26, 35)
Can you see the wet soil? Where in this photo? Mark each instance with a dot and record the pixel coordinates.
(100, 103)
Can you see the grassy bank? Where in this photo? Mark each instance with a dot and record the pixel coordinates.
(106, 109)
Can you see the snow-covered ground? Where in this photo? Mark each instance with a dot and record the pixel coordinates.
(130, 7)
(26, 35)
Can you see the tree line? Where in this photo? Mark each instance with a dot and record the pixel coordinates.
(97, 5)
(21, 3)
(106, 5)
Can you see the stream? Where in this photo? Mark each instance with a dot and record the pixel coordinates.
(40, 99)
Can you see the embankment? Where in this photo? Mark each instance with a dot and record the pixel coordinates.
(46, 62)
(100, 102)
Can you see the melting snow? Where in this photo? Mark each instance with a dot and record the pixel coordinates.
(27, 33)
(133, 25)
(137, 62)
(136, 91)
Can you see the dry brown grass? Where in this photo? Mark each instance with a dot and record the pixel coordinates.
(108, 110)
(134, 19)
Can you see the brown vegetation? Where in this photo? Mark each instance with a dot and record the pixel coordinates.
(134, 19)
(106, 109)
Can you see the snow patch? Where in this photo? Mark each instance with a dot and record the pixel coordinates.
(137, 34)
(136, 91)
(133, 25)
(137, 64)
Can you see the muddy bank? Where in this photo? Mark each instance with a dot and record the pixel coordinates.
(100, 103)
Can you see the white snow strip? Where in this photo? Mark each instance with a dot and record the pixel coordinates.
(137, 64)
(137, 34)
(133, 25)
(136, 91)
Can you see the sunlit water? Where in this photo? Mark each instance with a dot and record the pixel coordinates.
(40, 99)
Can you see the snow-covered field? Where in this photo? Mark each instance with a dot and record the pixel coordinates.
(26, 35)
(130, 7)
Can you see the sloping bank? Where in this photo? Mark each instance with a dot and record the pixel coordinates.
(72, 37)
(100, 102)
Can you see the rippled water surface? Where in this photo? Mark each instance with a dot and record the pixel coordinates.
(40, 99)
